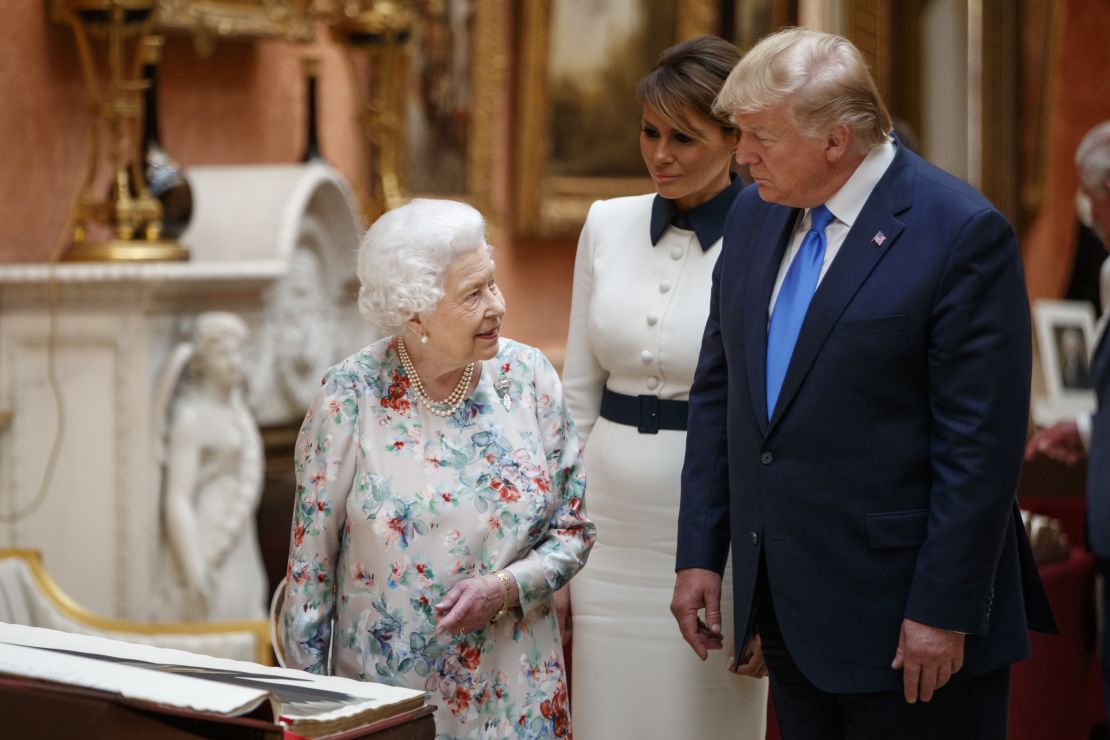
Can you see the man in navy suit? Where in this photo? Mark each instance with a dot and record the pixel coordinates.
(857, 420)
(1068, 441)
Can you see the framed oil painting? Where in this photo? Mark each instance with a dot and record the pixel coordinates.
(457, 65)
(579, 132)
(577, 115)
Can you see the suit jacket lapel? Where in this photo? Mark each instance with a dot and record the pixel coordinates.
(853, 263)
(770, 247)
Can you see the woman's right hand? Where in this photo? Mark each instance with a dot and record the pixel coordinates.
(473, 602)
(563, 613)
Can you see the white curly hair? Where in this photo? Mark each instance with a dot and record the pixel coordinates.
(405, 255)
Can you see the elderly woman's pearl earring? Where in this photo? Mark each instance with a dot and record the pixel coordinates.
(423, 338)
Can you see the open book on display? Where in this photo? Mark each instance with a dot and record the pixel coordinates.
(310, 706)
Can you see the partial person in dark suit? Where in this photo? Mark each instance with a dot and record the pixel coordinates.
(1068, 441)
(857, 419)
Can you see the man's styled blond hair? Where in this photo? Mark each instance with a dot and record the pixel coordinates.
(822, 78)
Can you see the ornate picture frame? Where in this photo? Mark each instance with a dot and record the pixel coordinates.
(547, 201)
(552, 190)
(211, 20)
(457, 66)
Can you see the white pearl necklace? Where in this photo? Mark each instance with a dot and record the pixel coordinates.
(447, 406)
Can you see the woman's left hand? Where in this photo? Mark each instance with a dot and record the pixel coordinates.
(471, 604)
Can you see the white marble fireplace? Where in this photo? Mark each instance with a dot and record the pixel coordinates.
(273, 244)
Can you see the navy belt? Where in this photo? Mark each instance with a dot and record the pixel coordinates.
(648, 414)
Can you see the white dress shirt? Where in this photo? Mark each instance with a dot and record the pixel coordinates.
(845, 206)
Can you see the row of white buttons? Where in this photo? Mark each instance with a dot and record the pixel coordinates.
(653, 318)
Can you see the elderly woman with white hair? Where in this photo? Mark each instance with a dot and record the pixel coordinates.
(439, 497)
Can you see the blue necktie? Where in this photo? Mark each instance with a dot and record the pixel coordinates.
(793, 301)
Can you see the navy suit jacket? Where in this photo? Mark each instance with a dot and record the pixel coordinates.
(1098, 456)
(882, 486)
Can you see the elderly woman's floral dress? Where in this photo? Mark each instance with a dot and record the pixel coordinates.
(395, 505)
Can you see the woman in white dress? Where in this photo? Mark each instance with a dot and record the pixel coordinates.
(641, 297)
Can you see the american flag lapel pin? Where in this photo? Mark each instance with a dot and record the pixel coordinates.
(878, 239)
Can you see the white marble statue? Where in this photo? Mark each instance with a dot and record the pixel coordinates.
(211, 562)
(296, 342)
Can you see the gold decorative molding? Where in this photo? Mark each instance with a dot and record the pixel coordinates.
(384, 31)
(373, 37)
(1042, 25)
(531, 145)
(549, 205)
(119, 250)
(210, 20)
(489, 70)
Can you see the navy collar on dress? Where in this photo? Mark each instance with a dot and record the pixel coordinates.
(707, 221)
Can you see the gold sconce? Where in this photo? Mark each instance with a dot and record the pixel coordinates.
(125, 222)
(373, 35)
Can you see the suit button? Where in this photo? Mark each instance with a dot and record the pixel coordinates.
(766, 457)
(755, 538)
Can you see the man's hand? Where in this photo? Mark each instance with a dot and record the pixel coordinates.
(696, 589)
(751, 660)
(1059, 442)
(927, 656)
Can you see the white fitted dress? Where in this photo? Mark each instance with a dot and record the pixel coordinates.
(637, 316)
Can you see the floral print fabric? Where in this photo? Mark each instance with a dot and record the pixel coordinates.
(395, 505)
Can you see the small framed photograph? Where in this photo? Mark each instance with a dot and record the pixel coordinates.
(1065, 341)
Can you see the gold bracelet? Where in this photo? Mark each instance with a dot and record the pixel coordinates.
(504, 578)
